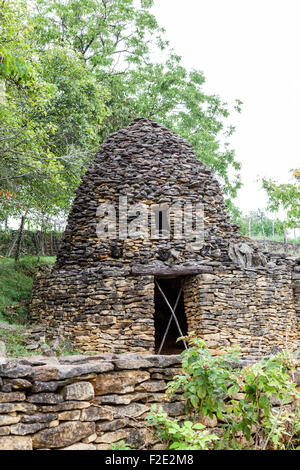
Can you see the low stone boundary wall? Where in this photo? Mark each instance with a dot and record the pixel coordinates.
(82, 402)
(278, 247)
(87, 402)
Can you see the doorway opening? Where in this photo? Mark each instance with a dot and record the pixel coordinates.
(169, 293)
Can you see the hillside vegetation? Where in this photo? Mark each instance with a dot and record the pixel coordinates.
(15, 286)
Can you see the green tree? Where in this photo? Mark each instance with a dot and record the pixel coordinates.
(258, 224)
(118, 41)
(76, 111)
(286, 197)
(52, 107)
(26, 162)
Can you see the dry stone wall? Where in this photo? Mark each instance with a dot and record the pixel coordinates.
(87, 402)
(256, 309)
(149, 164)
(100, 310)
(82, 402)
(293, 249)
(296, 291)
(252, 309)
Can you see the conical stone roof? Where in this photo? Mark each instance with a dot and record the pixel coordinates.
(147, 163)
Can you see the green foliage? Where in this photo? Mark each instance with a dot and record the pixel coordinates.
(266, 380)
(239, 397)
(76, 111)
(51, 109)
(15, 286)
(116, 42)
(258, 225)
(14, 340)
(185, 436)
(287, 197)
(205, 379)
(121, 445)
(71, 73)
(27, 165)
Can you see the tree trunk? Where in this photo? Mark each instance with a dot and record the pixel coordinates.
(263, 231)
(42, 248)
(285, 241)
(51, 243)
(19, 240)
(11, 246)
(37, 243)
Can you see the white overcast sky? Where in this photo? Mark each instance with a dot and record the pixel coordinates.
(247, 49)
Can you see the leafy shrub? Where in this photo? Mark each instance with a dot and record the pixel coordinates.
(240, 397)
(185, 436)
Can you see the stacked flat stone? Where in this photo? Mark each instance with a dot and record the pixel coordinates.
(83, 403)
(89, 403)
(100, 293)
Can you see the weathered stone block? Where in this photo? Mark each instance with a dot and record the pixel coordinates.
(89, 439)
(45, 398)
(68, 405)
(119, 382)
(134, 410)
(22, 429)
(50, 386)
(38, 418)
(209, 422)
(11, 397)
(152, 386)
(16, 443)
(111, 426)
(80, 446)
(4, 430)
(11, 407)
(44, 374)
(72, 415)
(7, 419)
(64, 435)
(111, 437)
(78, 391)
(14, 369)
(173, 409)
(120, 399)
(20, 384)
(66, 371)
(97, 413)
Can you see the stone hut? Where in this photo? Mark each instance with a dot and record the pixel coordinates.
(150, 254)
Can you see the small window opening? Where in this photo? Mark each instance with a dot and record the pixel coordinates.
(161, 220)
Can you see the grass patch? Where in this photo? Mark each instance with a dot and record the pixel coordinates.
(15, 286)
(17, 337)
(14, 340)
